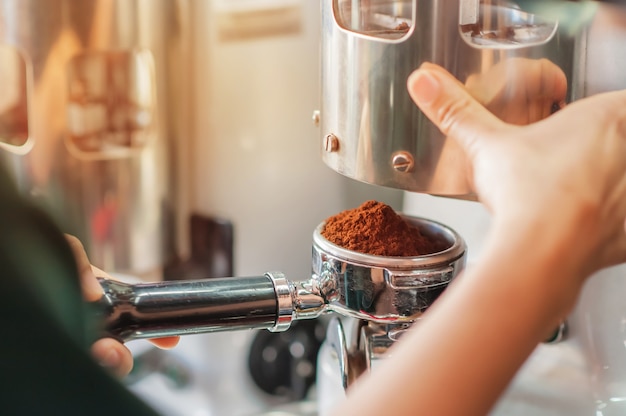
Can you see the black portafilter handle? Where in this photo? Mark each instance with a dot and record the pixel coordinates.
(173, 308)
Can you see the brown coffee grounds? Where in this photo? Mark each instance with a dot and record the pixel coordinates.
(375, 228)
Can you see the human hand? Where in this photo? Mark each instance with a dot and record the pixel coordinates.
(109, 352)
(565, 174)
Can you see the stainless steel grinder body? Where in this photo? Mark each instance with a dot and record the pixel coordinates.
(371, 130)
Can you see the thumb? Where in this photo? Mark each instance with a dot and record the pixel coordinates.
(446, 102)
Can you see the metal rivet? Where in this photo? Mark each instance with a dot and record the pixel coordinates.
(316, 117)
(331, 143)
(403, 162)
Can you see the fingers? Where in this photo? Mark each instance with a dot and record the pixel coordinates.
(113, 355)
(90, 287)
(444, 100)
(165, 342)
(108, 352)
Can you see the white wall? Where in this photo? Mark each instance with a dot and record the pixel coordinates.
(256, 156)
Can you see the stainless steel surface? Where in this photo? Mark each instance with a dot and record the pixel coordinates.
(161, 309)
(379, 298)
(502, 24)
(376, 340)
(284, 300)
(188, 307)
(353, 355)
(96, 124)
(369, 48)
(386, 289)
(364, 351)
(336, 341)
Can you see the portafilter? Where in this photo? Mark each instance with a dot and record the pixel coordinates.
(384, 291)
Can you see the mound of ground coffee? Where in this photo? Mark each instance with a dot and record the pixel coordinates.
(375, 228)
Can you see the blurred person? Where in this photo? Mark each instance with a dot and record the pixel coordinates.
(47, 366)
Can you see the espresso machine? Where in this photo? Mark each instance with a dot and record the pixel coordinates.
(95, 126)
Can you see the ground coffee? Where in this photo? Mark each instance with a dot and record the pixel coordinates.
(375, 228)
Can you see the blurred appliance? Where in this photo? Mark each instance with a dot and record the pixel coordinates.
(372, 132)
(93, 122)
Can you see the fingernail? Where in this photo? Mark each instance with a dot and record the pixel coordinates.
(110, 360)
(425, 86)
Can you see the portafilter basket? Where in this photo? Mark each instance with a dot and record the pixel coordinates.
(385, 295)
(386, 289)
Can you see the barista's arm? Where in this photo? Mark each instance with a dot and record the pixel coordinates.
(47, 327)
(461, 356)
(557, 192)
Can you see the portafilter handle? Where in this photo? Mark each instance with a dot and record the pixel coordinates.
(172, 308)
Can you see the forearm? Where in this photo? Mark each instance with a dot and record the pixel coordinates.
(462, 355)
